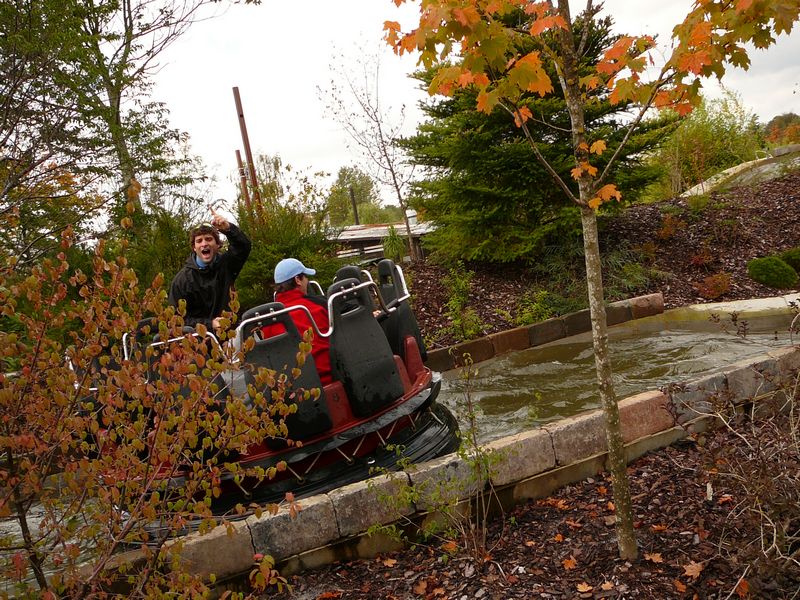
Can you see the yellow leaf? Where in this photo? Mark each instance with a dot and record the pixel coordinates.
(598, 147)
(590, 169)
(569, 563)
(693, 569)
(389, 562)
(606, 586)
(584, 587)
(583, 146)
(655, 557)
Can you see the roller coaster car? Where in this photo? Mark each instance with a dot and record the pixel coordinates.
(382, 396)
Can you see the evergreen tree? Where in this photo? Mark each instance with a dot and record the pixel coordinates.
(489, 195)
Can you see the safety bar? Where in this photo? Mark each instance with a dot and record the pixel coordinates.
(127, 352)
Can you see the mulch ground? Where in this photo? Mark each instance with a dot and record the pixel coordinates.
(683, 243)
(696, 538)
(693, 540)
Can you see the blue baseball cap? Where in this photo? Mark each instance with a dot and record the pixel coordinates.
(291, 267)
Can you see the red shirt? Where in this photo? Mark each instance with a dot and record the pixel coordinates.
(320, 346)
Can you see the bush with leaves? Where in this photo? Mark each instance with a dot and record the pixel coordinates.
(111, 424)
(717, 135)
(792, 258)
(465, 322)
(773, 272)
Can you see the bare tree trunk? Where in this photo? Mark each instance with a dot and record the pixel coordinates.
(626, 539)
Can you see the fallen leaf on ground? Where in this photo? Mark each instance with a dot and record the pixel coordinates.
(450, 547)
(584, 587)
(654, 557)
(421, 587)
(606, 586)
(743, 588)
(679, 585)
(530, 544)
(573, 524)
(658, 527)
(558, 538)
(389, 562)
(569, 563)
(693, 569)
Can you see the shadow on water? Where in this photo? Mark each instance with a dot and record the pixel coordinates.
(524, 389)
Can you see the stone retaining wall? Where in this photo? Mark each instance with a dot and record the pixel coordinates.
(520, 338)
(528, 465)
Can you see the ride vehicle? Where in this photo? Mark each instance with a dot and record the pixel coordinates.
(379, 411)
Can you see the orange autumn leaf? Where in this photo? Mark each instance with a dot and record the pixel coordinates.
(569, 563)
(465, 79)
(576, 172)
(590, 169)
(655, 557)
(679, 585)
(584, 587)
(602, 490)
(594, 204)
(742, 588)
(421, 587)
(598, 147)
(619, 49)
(450, 547)
(701, 33)
(606, 193)
(573, 524)
(743, 5)
(558, 538)
(329, 595)
(658, 527)
(530, 544)
(467, 16)
(694, 61)
(606, 586)
(693, 569)
(486, 102)
(521, 115)
(480, 79)
(610, 505)
(549, 22)
(389, 562)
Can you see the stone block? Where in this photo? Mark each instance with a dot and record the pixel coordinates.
(520, 456)
(281, 535)
(579, 437)
(444, 480)
(546, 331)
(787, 361)
(577, 322)
(510, 341)
(644, 414)
(377, 501)
(480, 350)
(697, 397)
(647, 306)
(750, 378)
(224, 551)
(439, 359)
(618, 312)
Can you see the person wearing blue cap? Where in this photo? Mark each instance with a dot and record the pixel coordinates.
(291, 289)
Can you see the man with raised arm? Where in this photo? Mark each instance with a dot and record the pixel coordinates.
(206, 278)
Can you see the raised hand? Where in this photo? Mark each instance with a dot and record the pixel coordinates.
(218, 221)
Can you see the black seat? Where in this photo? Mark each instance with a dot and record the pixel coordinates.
(279, 353)
(361, 357)
(401, 322)
(347, 272)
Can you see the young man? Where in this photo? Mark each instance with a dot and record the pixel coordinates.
(206, 278)
(291, 289)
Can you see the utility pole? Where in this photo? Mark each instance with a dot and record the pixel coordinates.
(246, 142)
(355, 207)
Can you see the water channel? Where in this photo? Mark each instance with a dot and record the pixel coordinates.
(522, 390)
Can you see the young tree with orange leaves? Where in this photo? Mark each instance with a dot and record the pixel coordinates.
(482, 33)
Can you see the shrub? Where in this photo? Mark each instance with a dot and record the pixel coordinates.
(394, 246)
(792, 258)
(773, 272)
(669, 227)
(466, 323)
(714, 286)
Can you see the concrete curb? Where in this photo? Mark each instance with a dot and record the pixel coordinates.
(527, 465)
(520, 338)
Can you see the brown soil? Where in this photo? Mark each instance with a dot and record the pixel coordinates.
(696, 538)
(680, 245)
(694, 541)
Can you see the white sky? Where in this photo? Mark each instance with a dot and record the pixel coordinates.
(277, 53)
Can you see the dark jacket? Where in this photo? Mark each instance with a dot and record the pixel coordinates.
(207, 291)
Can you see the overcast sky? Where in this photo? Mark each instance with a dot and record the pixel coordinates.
(279, 52)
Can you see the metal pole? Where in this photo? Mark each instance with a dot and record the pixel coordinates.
(246, 142)
(243, 180)
(353, 202)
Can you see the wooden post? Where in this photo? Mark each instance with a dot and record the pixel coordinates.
(243, 181)
(353, 202)
(246, 142)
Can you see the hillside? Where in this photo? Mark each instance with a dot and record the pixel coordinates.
(678, 243)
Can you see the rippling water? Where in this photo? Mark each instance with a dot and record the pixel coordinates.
(523, 389)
